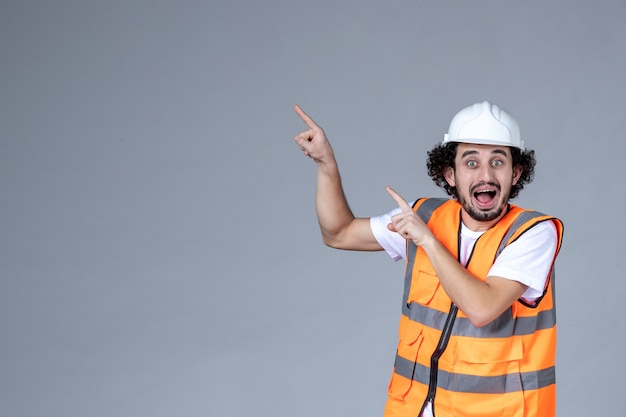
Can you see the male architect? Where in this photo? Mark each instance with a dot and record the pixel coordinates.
(478, 324)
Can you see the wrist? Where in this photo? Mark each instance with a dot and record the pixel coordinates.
(429, 242)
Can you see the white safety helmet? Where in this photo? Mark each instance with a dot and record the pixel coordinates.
(485, 124)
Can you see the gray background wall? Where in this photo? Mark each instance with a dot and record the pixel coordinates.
(159, 249)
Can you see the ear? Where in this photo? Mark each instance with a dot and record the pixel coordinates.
(448, 174)
(517, 173)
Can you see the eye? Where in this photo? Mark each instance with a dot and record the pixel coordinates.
(472, 164)
(497, 162)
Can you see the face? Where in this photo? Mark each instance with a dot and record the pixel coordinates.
(483, 177)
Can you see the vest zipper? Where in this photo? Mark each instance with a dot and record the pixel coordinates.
(445, 335)
(434, 359)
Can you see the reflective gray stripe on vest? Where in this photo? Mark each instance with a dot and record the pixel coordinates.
(428, 207)
(503, 326)
(500, 384)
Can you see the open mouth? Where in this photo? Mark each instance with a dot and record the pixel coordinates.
(485, 197)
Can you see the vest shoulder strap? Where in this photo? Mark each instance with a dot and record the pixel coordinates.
(424, 207)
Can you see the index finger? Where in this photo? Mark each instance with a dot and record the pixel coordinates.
(399, 200)
(305, 117)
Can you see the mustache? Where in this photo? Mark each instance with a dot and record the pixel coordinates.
(488, 183)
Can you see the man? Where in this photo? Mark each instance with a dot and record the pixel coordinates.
(478, 324)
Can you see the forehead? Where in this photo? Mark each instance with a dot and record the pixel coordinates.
(470, 149)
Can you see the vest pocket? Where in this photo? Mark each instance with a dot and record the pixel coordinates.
(488, 370)
(486, 351)
(423, 287)
(411, 339)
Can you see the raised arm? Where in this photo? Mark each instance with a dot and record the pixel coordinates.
(340, 228)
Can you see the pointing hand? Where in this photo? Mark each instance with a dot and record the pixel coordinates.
(313, 141)
(407, 223)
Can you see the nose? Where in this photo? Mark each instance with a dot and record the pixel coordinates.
(485, 173)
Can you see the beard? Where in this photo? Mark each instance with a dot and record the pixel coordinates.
(480, 215)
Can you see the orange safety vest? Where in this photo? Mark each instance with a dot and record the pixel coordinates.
(505, 368)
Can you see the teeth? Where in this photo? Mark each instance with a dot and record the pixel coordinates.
(490, 193)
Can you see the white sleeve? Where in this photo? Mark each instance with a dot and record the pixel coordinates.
(528, 260)
(392, 243)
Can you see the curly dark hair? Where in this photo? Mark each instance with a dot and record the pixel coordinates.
(442, 156)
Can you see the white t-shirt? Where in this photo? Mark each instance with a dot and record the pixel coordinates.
(527, 260)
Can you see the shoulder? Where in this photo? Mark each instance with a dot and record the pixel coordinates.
(530, 223)
(534, 238)
(425, 207)
(541, 230)
(524, 223)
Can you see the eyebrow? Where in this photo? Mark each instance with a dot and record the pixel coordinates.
(474, 152)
